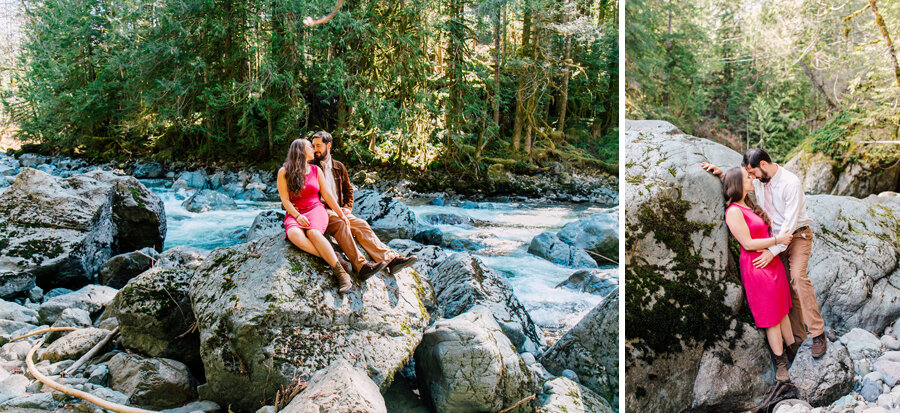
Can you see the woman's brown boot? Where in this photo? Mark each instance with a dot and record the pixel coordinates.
(781, 368)
(343, 279)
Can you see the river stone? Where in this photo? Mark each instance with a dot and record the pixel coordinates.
(462, 281)
(155, 316)
(138, 213)
(679, 268)
(430, 236)
(561, 395)
(268, 222)
(890, 370)
(201, 406)
(73, 317)
(822, 381)
(12, 329)
(150, 170)
(598, 233)
(42, 243)
(192, 179)
(73, 345)
(269, 313)
(14, 312)
(448, 219)
(41, 401)
(208, 200)
(593, 281)
(153, 383)
(861, 343)
(91, 298)
(182, 257)
(466, 364)
(388, 217)
(735, 371)
(338, 388)
(119, 269)
(547, 245)
(13, 386)
(591, 350)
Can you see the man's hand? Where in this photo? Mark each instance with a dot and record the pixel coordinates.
(763, 260)
(784, 239)
(347, 211)
(708, 167)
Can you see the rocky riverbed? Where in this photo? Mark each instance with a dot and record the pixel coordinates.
(193, 329)
(681, 268)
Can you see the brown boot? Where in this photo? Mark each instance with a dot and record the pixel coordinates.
(369, 269)
(819, 345)
(791, 351)
(399, 263)
(781, 368)
(343, 279)
(345, 263)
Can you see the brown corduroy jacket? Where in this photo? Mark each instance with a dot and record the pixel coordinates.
(342, 183)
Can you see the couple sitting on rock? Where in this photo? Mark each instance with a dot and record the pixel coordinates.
(309, 176)
(780, 228)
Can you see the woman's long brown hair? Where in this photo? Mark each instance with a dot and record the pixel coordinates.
(733, 190)
(295, 166)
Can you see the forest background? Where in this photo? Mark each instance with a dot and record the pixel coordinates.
(446, 85)
(819, 77)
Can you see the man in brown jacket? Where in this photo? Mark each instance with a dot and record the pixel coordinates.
(336, 175)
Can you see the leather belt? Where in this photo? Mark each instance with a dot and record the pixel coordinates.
(801, 229)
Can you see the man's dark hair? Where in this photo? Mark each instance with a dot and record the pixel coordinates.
(324, 136)
(754, 156)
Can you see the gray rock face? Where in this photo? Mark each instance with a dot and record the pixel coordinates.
(338, 388)
(149, 170)
(103, 213)
(429, 256)
(462, 281)
(591, 350)
(824, 380)
(547, 245)
(269, 222)
(679, 269)
(816, 172)
(388, 217)
(14, 312)
(855, 292)
(153, 383)
(192, 179)
(73, 345)
(598, 233)
(208, 200)
(182, 257)
(821, 175)
(154, 314)
(561, 395)
(119, 269)
(91, 298)
(41, 242)
(593, 281)
(466, 364)
(268, 313)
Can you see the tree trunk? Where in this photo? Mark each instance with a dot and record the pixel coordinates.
(496, 102)
(879, 21)
(564, 90)
(820, 86)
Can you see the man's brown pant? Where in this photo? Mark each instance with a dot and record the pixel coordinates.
(805, 310)
(363, 233)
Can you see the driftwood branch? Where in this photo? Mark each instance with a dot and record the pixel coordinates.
(601, 256)
(44, 330)
(510, 408)
(310, 22)
(90, 354)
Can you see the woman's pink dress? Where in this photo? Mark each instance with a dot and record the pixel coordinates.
(309, 205)
(768, 293)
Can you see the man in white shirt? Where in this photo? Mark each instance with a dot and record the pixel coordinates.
(780, 194)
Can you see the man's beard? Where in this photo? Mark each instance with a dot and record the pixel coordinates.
(319, 157)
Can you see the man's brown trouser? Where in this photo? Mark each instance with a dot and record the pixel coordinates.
(805, 310)
(363, 233)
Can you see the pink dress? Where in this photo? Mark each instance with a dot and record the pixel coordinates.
(768, 293)
(308, 204)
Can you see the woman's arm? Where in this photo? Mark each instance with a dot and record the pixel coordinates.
(286, 199)
(738, 227)
(329, 197)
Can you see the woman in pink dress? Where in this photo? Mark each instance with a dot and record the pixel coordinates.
(299, 186)
(768, 293)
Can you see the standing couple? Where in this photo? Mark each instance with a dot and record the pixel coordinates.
(310, 176)
(779, 292)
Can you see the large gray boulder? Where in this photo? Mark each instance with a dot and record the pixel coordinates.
(155, 316)
(547, 245)
(153, 383)
(463, 281)
(208, 200)
(268, 222)
(91, 298)
(597, 233)
(388, 217)
(822, 381)
(561, 395)
(119, 269)
(683, 295)
(73, 344)
(591, 350)
(57, 232)
(592, 281)
(338, 388)
(269, 313)
(466, 364)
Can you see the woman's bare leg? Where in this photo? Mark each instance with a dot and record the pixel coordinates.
(323, 246)
(786, 331)
(298, 238)
(775, 340)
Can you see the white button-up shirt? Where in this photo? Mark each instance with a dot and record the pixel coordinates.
(788, 201)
